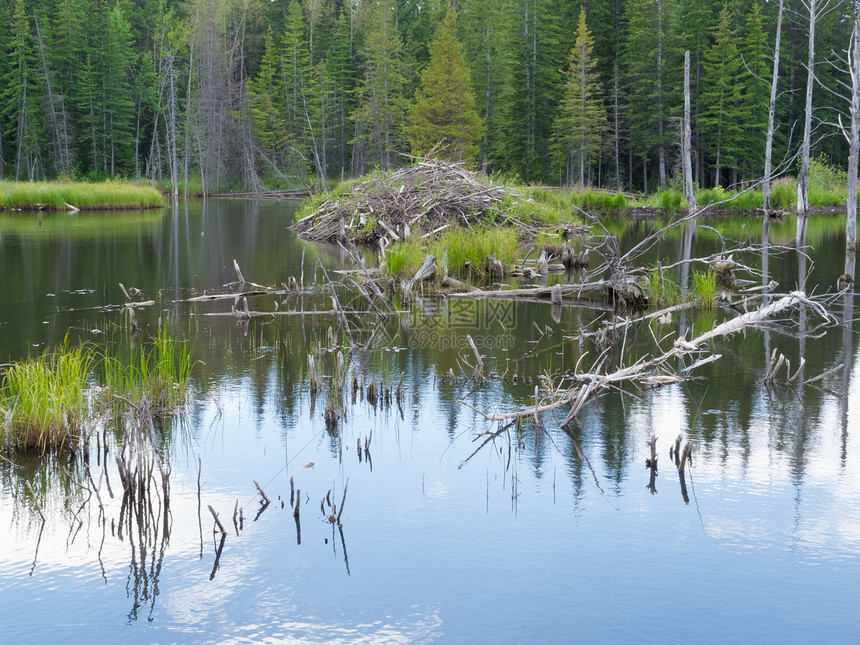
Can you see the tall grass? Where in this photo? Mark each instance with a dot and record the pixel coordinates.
(159, 373)
(466, 248)
(44, 400)
(596, 201)
(704, 288)
(661, 288)
(86, 196)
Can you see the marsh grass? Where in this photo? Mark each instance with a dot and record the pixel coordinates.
(600, 202)
(703, 286)
(466, 250)
(158, 373)
(47, 401)
(44, 400)
(662, 289)
(86, 196)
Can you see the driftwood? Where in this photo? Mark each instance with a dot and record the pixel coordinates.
(451, 283)
(647, 371)
(537, 292)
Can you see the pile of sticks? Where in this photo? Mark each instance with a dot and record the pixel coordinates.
(430, 195)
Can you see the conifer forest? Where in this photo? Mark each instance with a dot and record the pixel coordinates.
(202, 96)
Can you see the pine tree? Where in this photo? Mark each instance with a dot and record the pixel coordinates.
(381, 110)
(444, 108)
(481, 27)
(266, 122)
(695, 25)
(581, 116)
(530, 86)
(118, 102)
(21, 99)
(755, 93)
(722, 117)
(342, 72)
(295, 75)
(651, 86)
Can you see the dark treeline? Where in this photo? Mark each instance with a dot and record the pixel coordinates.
(281, 93)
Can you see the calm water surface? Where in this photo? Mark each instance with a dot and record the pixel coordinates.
(521, 540)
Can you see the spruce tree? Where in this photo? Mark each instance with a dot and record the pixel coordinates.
(21, 100)
(266, 122)
(444, 109)
(755, 93)
(581, 117)
(381, 110)
(651, 83)
(722, 118)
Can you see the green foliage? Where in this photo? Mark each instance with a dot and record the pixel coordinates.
(669, 200)
(86, 196)
(444, 108)
(44, 400)
(470, 247)
(48, 401)
(157, 373)
(593, 202)
(403, 258)
(648, 69)
(661, 288)
(465, 249)
(381, 110)
(581, 117)
(722, 119)
(703, 286)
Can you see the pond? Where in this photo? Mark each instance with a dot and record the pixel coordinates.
(539, 535)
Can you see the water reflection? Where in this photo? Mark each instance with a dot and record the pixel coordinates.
(769, 464)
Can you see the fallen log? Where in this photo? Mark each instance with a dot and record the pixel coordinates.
(535, 292)
(643, 370)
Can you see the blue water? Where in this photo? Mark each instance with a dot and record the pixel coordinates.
(522, 542)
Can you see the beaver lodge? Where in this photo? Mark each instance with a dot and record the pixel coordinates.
(418, 201)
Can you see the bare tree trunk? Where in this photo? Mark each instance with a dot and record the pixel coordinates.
(617, 125)
(854, 139)
(803, 175)
(768, 146)
(57, 116)
(661, 128)
(187, 120)
(686, 145)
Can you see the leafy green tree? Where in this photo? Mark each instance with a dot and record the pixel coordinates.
(444, 108)
(722, 117)
(581, 118)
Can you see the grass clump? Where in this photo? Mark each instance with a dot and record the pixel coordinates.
(466, 249)
(47, 402)
(43, 401)
(470, 247)
(106, 195)
(661, 288)
(403, 258)
(595, 201)
(159, 374)
(704, 288)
